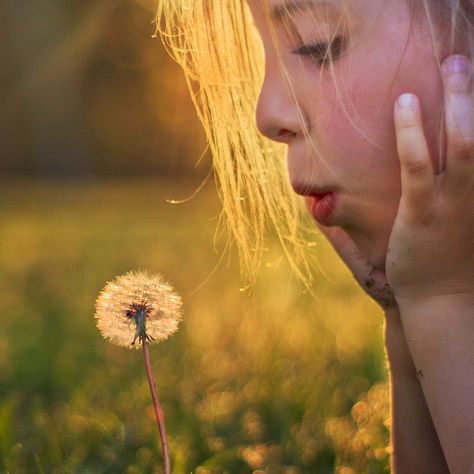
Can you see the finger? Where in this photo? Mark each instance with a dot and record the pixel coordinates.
(459, 105)
(417, 175)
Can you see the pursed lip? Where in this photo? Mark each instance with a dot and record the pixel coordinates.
(320, 200)
(307, 190)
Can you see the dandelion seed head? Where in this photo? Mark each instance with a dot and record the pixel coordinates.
(132, 294)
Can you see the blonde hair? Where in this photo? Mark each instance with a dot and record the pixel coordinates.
(216, 44)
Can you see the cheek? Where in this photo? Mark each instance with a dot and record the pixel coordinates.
(361, 127)
(363, 123)
(417, 71)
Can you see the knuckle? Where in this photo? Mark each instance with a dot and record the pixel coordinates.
(419, 191)
(416, 196)
(414, 166)
(427, 217)
(408, 126)
(462, 147)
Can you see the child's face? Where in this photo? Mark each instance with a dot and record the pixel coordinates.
(388, 54)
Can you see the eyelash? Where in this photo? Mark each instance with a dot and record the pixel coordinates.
(322, 52)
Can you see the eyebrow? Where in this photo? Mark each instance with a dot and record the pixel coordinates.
(279, 12)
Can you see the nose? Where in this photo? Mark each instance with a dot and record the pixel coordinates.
(278, 116)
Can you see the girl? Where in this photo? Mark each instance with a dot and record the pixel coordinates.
(372, 102)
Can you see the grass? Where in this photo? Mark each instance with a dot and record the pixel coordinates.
(277, 382)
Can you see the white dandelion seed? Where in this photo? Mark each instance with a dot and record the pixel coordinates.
(144, 307)
(137, 305)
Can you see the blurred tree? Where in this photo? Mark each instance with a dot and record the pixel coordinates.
(86, 90)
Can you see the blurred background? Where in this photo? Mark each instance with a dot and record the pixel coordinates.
(98, 141)
(86, 91)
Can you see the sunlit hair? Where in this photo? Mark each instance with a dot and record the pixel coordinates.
(216, 44)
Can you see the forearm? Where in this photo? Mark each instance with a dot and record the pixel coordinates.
(416, 447)
(440, 335)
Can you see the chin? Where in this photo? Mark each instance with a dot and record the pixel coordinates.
(373, 248)
(378, 263)
(377, 254)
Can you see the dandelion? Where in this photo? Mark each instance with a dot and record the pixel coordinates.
(143, 307)
(137, 304)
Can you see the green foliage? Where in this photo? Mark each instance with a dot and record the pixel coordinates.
(279, 381)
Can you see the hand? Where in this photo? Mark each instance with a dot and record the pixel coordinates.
(431, 247)
(373, 281)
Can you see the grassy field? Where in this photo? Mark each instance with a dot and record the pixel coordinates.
(274, 382)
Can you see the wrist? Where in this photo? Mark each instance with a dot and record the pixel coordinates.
(400, 362)
(392, 315)
(434, 326)
(449, 302)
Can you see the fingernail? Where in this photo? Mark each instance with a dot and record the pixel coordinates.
(458, 73)
(406, 101)
(456, 64)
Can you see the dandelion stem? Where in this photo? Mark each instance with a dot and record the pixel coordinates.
(158, 411)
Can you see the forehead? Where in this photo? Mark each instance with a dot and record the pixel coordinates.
(287, 11)
(278, 9)
(354, 12)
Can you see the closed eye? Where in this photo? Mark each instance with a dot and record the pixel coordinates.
(322, 53)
